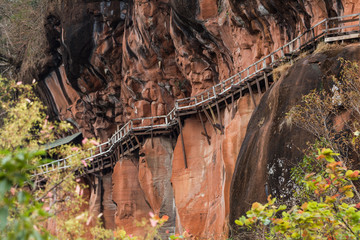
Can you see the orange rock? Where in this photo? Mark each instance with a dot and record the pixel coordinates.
(202, 190)
(142, 108)
(129, 197)
(154, 177)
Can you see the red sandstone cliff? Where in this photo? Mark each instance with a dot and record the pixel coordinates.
(117, 60)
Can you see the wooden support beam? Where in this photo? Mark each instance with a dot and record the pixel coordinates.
(131, 143)
(219, 117)
(122, 150)
(152, 135)
(137, 140)
(127, 145)
(152, 139)
(209, 118)
(232, 101)
(266, 81)
(182, 141)
(202, 123)
(251, 93)
(258, 86)
(227, 105)
(119, 153)
(102, 162)
(212, 114)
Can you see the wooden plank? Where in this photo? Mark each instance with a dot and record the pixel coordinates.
(251, 93)
(340, 38)
(203, 125)
(182, 141)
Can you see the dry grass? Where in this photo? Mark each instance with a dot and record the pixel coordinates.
(280, 71)
(302, 55)
(323, 47)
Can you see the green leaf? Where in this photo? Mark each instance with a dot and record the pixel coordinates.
(238, 222)
(4, 187)
(349, 194)
(4, 213)
(21, 196)
(282, 207)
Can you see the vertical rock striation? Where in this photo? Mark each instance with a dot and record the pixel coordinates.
(112, 61)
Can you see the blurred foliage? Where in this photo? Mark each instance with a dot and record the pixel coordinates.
(20, 215)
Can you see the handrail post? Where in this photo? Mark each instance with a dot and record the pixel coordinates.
(326, 28)
(214, 91)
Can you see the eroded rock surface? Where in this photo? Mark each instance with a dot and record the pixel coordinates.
(112, 61)
(123, 59)
(273, 145)
(202, 190)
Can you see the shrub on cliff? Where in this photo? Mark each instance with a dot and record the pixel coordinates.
(330, 215)
(327, 200)
(24, 129)
(27, 210)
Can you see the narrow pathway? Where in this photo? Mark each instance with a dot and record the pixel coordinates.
(255, 78)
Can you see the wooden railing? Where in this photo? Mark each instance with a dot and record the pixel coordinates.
(326, 28)
(253, 70)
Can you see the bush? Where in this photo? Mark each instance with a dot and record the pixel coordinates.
(327, 202)
(331, 216)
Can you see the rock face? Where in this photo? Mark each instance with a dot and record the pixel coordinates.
(202, 190)
(123, 59)
(271, 146)
(118, 60)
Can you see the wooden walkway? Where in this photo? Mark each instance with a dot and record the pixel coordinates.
(254, 79)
